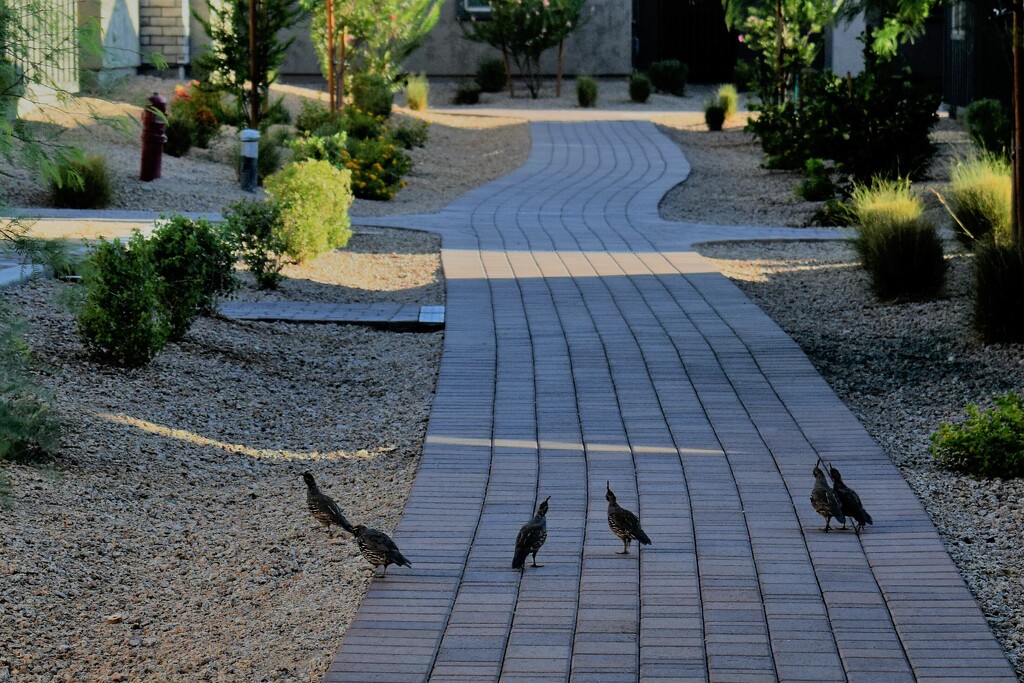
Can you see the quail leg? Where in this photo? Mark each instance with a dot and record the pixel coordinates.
(625, 548)
(535, 561)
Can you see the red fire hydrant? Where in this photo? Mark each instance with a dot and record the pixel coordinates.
(153, 138)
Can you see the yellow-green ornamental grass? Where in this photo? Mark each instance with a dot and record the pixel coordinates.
(728, 99)
(315, 198)
(980, 195)
(417, 91)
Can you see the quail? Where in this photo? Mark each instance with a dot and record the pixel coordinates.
(323, 507)
(824, 499)
(531, 537)
(849, 501)
(378, 548)
(624, 523)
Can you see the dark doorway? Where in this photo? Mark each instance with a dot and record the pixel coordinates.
(692, 32)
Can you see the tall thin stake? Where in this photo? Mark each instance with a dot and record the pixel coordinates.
(254, 94)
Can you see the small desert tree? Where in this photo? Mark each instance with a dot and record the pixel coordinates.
(229, 60)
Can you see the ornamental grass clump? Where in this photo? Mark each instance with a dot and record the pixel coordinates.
(81, 183)
(29, 427)
(728, 100)
(898, 247)
(980, 192)
(987, 443)
(417, 91)
(314, 197)
(999, 292)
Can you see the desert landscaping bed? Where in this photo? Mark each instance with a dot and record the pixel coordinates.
(170, 540)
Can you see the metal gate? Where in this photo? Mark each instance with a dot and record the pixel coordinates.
(48, 32)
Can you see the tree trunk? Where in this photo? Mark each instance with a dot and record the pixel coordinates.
(339, 88)
(332, 101)
(254, 93)
(779, 85)
(508, 71)
(558, 78)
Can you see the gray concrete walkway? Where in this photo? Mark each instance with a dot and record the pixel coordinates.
(587, 343)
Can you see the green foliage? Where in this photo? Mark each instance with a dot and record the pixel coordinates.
(491, 76)
(669, 76)
(728, 99)
(899, 248)
(525, 29)
(417, 92)
(714, 116)
(316, 119)
(200, 108)
(81, 183)
(256, 231)
(999, 292)
(194, 266)
(329, 148)
(362, 125)
(980, 191)
(227, 57)
(121, 320)
(409, 133)
(834, 213)
(987, 443)
(870, 125)
(639, 87)
(586, 91)
(180, 133)
(29, 428)
(989, 125)
(817, 184)
(377, 167)
(467, 93)
(372, 94)
(314, 197)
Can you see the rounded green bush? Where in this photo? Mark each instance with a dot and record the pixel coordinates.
(639, 87)
(714, 116)
(121, 320)
(179, 134)
(669, 76)
(314, 197)
(256, 230)
(490, 75)
(988, 123)
(586, 91)
(373, 94)
(467, 93)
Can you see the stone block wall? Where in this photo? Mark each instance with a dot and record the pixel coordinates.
(165, 27)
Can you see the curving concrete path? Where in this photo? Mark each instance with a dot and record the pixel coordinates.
(587, 343)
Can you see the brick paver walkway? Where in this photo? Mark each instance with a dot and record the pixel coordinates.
(586, 344)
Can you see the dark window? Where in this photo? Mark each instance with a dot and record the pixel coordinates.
(473, 9)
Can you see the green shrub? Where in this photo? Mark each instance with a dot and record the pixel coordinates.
(999, 292)
(330, 148)
(586, 91)
(194, 265)
(180, 133)
(669, 76)
(29, 427)
(81, 184)
(988, 443)
(980, 192)
(121, 320)
(833, 213)
(203, 110)
(639, 87)
(316, 119)
(714, 116)
(989, 125)
(467, 93)
(870, 125)
(417, 92)
(490, 76)
(377, 167)
(817, 184)
(899, 248)
(361, 124)
(410, 133)
(276, 114)
(728, 99)
(314, 197)
(256, 231)
(373, 94)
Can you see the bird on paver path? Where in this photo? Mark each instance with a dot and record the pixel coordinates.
(323, 507)
(850, 502)
(378, 548)
(825, 500)
(624, 523)
(531, 537)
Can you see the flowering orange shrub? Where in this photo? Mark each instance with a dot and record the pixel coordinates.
(377, 167)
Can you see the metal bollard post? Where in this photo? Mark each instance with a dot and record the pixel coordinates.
(153, 138)
(250, 157)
